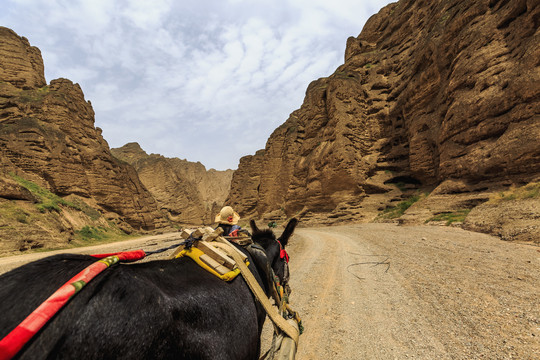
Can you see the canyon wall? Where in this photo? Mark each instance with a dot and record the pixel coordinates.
(438, 96)
(184, 190)
(48, 137)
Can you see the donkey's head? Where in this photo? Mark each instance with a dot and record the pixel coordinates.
(275, 248)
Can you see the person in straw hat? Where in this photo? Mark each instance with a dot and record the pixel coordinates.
(227, 219)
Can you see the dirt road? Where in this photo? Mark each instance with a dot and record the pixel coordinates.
(380, 291)
(146, 242)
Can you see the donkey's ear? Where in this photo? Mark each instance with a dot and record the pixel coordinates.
(253, 226)
(284, 238)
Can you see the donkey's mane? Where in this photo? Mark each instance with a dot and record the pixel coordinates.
(263, 237)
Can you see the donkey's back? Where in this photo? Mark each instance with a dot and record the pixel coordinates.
(158, 309)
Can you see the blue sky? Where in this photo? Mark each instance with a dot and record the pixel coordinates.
(205, 80)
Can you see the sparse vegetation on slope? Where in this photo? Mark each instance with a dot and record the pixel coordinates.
(395, 212)
(91, 235)
(451, 217)
(529, 191)
(47, 200)
(45, 220)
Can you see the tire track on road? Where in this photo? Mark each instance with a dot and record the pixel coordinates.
(355, 316)
(316, 270)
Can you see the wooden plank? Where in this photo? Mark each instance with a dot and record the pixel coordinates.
(227, 248)
(239, 240)
(216, 254)
(214, 264)
(210, 236)
(221, 239)
(198, 233)
(185, 233)
(177, 251)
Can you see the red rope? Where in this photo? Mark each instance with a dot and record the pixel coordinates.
(13, 342)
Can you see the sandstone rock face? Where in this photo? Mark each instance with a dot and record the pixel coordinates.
(244, 192)
(429, 91)
(11, 190)
(47, 135)
(185, 190)
(511, 220)
(21, 64)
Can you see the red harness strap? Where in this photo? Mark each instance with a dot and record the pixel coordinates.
(283, 252)
(18, 337)
(124, 256)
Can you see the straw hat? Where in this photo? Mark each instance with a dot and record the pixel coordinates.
(227, 216)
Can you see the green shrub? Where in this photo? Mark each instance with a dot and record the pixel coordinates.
(401, 186)
(33, 96)
(398, 210)
(80, 205)
(91, 233)
(48, 205)
(451, 217)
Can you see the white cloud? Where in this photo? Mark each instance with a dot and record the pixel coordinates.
(187, 78)
(146, 15)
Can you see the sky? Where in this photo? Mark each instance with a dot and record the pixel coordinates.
(205, 80)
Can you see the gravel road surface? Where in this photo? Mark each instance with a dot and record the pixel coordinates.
(379, 291)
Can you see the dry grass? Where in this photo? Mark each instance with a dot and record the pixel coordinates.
(529, 191)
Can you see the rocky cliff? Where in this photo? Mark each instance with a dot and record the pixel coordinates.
(48, 141)
(185, 190)
(434, 96)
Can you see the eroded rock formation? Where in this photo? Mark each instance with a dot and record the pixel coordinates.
(429, 91)
(47, 135)
(21, 63)
(187, 192)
